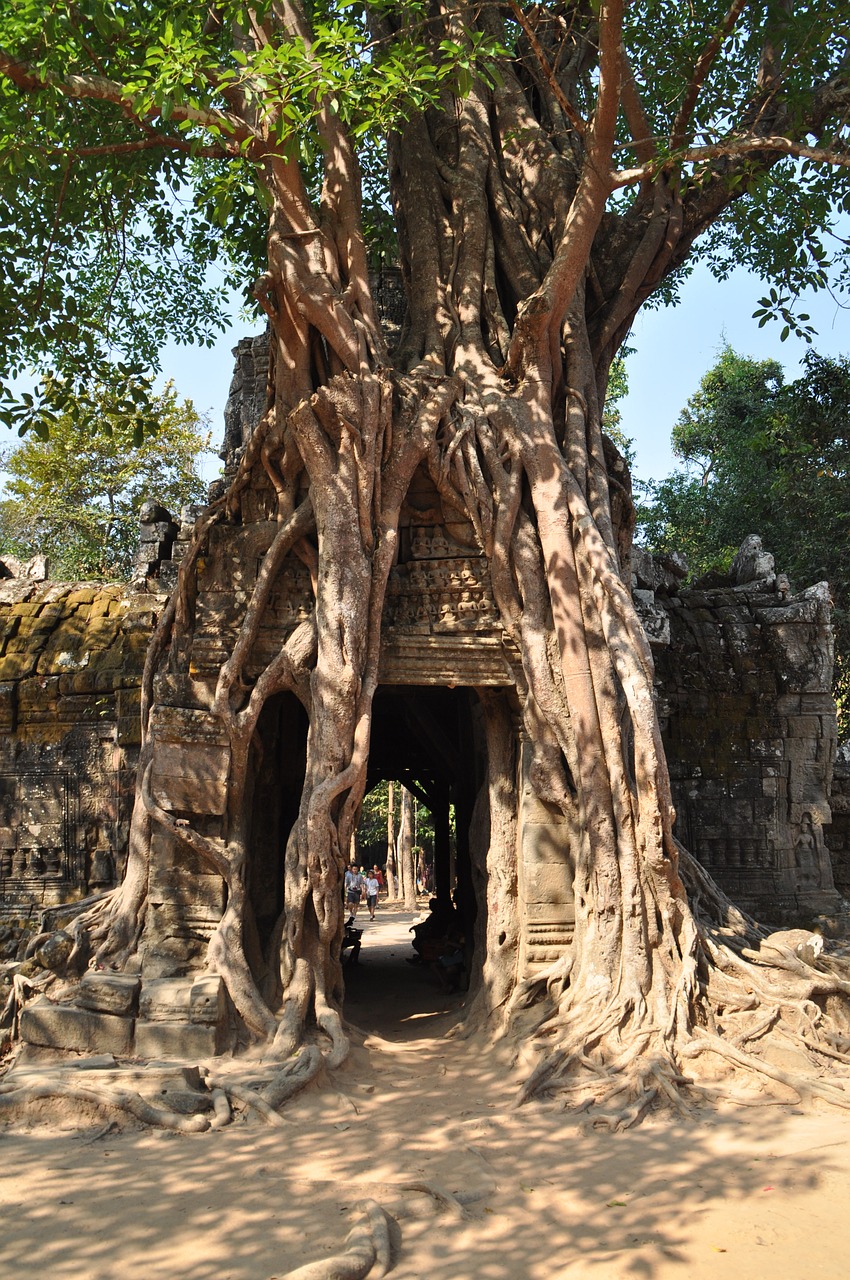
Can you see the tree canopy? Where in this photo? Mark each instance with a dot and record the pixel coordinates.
(134, 135)
(764, 456)
(76, 496)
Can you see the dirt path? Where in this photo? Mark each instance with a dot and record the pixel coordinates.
(753, 1192)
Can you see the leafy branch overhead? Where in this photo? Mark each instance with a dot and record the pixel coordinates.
(133, 138)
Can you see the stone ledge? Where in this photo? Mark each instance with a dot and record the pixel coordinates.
(179, 1040)
(114, 993)
(58, 1026)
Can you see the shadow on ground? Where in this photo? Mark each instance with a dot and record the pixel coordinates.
(757, 1191)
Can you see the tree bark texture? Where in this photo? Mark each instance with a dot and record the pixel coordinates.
(406, 859)
(392, 892)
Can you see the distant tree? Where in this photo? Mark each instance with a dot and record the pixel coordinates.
(404, 851)
(768, 457)
(76, 496)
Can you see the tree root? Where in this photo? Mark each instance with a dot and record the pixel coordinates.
(251, 1099)
(222, 1114)
(295, 1076)
(266, 1098)
(367, 1251)
(12, 1096)
(444, 1199)
(805, 1087)
(618, 1062)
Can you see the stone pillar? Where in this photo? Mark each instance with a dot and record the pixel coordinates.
(545, 875)
(442, 847)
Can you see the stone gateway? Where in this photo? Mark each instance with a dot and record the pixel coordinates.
(743, 671)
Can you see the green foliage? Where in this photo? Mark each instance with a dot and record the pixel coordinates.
(372, 830)
(612, 418)
(768, 457)
(787, 225)
(126, 216)
(76, 496)
(112, 211)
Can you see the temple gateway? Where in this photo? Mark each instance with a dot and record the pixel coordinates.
(743, 679)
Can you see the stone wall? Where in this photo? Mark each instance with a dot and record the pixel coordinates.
(71, 658)
(744, 671)
(838, 832)
(743, 674)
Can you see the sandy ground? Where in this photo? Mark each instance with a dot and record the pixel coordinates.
(751, 1192)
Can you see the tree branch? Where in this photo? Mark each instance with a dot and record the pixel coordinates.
(95, 88)
(566, 106)
(143, 144)
(703, 66)
(738, 147)
(636, 117)
(546, 307)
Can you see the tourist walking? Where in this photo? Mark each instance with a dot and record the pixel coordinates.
(372, 888)
(353, 889)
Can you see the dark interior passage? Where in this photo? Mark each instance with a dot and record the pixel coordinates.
(426, 738)
(387, 995)
(429, 739)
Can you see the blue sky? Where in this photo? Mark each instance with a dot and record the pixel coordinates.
(674, 347)
(677, 345)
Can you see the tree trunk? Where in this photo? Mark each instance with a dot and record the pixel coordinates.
(405, 851)
(390, 867)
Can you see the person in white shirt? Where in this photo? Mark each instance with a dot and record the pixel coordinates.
(372, 888)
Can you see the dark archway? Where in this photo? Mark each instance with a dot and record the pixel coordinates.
(429, 737)
(278, 781)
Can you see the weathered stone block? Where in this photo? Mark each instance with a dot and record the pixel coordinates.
(102, 632)
(157, 530)
(208, 1001)
(177, 886)
(8, 706)
(116, 993)
(178, 1040)
(58, 1026)
(547, 882)
(191, 778)
(546, 844)
(201, 1001)
(548, 913)
(166, 1000)
(14, 666)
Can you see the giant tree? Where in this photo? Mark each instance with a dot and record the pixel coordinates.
(550, 168)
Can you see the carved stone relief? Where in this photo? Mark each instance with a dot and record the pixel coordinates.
(37, 829)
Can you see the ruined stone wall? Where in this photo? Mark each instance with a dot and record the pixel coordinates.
(838, 832)
(71, 658)
(744, 671)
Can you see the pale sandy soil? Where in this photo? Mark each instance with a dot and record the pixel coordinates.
(741, 1193)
